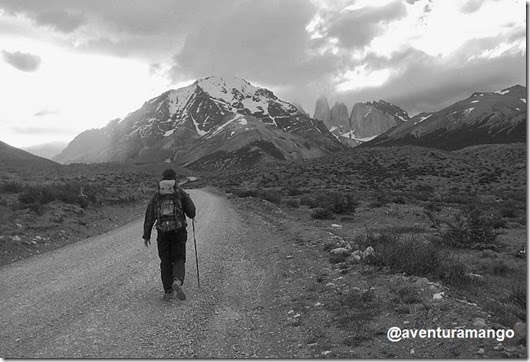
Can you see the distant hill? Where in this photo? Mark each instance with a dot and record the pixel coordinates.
(47, 150)
(13, 159)
(482, 118)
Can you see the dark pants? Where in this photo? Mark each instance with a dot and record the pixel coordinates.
(172, 253)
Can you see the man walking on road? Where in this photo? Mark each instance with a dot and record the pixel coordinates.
(169, 208)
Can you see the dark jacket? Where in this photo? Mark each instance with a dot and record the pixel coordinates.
(150, 213)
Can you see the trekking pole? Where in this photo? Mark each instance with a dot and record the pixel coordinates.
(196, 256)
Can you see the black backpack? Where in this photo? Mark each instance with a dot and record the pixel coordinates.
(169, 210)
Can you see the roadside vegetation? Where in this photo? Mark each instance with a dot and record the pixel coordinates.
(446, 231)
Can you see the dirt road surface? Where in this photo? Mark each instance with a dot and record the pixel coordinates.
(102, 297)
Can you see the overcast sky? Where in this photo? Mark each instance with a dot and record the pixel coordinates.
(71, 65)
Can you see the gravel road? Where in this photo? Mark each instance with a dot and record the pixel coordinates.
(102, 297)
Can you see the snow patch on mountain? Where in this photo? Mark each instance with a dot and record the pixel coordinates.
(169, 133)
(255, 107)
(423, 119)
(502, 92)
(468, 111)
(225, 88)
(179, 98)
(366, 139)
(523, 100)
(476, 101)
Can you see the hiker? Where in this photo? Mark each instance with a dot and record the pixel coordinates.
(169, 208)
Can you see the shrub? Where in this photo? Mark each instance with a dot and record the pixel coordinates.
(322, 214)
(308, 201)
(36, 194)
(415, 258)
(293, 203)
(398, 200)
(245, 193)
(508, 212)
(11, 187)
(292, 191)
(271, 196)
(469, 229)
(337, 202)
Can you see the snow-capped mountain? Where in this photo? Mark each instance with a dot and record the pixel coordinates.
(213, 123)
(482, 118)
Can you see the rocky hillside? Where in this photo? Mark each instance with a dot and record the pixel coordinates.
(482, 118)
(373, 118)
(213, 123)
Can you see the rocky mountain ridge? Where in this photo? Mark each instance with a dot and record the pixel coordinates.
(482, 118)
(364, 122)
(213, 123)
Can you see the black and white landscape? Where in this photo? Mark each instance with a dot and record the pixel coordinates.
(358, 167)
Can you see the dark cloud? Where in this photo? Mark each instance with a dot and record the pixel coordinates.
(426, 83)
(58, 14)
(471, 6)
(22, 61)
(125, 28)
(358, 27)
(264, 40)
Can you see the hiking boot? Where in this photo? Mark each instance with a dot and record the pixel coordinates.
(178, 289)
(169, 295)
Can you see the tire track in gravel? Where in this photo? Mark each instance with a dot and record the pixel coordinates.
(102, 297)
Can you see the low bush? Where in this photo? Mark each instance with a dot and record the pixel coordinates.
(292, 191)
(322, 214)
(294, 203)
(338, 202)
(308, 201)
(406, 255)
(11, 187)
(470, 228)
(270, 195)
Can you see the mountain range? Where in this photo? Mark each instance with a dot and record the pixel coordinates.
(214, 123)
(482, 118)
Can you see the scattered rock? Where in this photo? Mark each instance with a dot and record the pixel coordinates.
(16, 238)
(289, 257)
(498, 347)
(520, 329)
(412, 351)
(340, 251)
(325, 353)
(330, 285)
(475, 277)
(481, 351)
(336, 226)
(438, 296)
(479, 323)
(368, 251)
(318, 304)
(356, 257)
